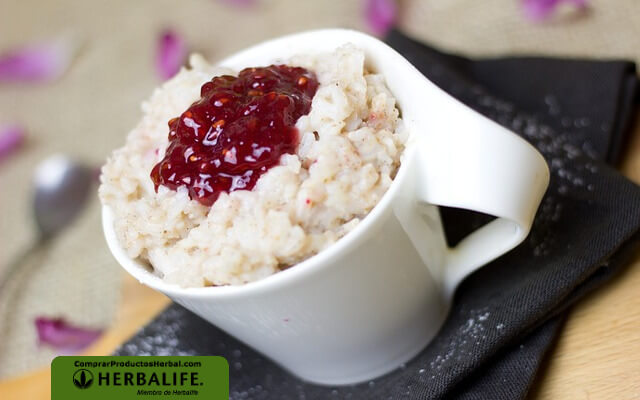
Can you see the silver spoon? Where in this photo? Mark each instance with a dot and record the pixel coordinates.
(61, 189)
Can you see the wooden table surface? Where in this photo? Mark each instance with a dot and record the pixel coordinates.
(597, 356)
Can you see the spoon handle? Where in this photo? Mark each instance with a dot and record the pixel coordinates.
(19, 260)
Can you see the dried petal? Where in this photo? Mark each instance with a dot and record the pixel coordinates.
(36, 63)
(380, 15)
(11, 138)
(64, 337)
(171, 53)
(538, 10)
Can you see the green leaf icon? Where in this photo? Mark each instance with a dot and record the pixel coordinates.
(82, 380)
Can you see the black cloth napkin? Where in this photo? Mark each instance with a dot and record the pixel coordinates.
(576, 112)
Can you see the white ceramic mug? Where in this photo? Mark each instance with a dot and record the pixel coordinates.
(374, 299)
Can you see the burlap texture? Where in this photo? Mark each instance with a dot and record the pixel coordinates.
(88, 112)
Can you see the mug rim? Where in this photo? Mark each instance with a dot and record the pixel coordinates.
(363, 229)
(299, 270)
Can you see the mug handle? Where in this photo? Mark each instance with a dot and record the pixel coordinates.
(471, 162)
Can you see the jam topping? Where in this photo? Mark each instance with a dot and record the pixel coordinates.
(236, 131)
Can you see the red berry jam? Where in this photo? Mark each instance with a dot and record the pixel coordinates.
(236, 131)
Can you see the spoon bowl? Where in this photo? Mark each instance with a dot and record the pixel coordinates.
(61, 189)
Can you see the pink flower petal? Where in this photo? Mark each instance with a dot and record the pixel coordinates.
(171, 53)
(36, 63)
(380, 15)
(538, 10)
(11, 138)
(65, 338)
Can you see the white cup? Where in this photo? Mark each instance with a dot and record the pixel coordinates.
(374, 299)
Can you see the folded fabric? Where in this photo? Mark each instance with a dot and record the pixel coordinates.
(575, 112)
